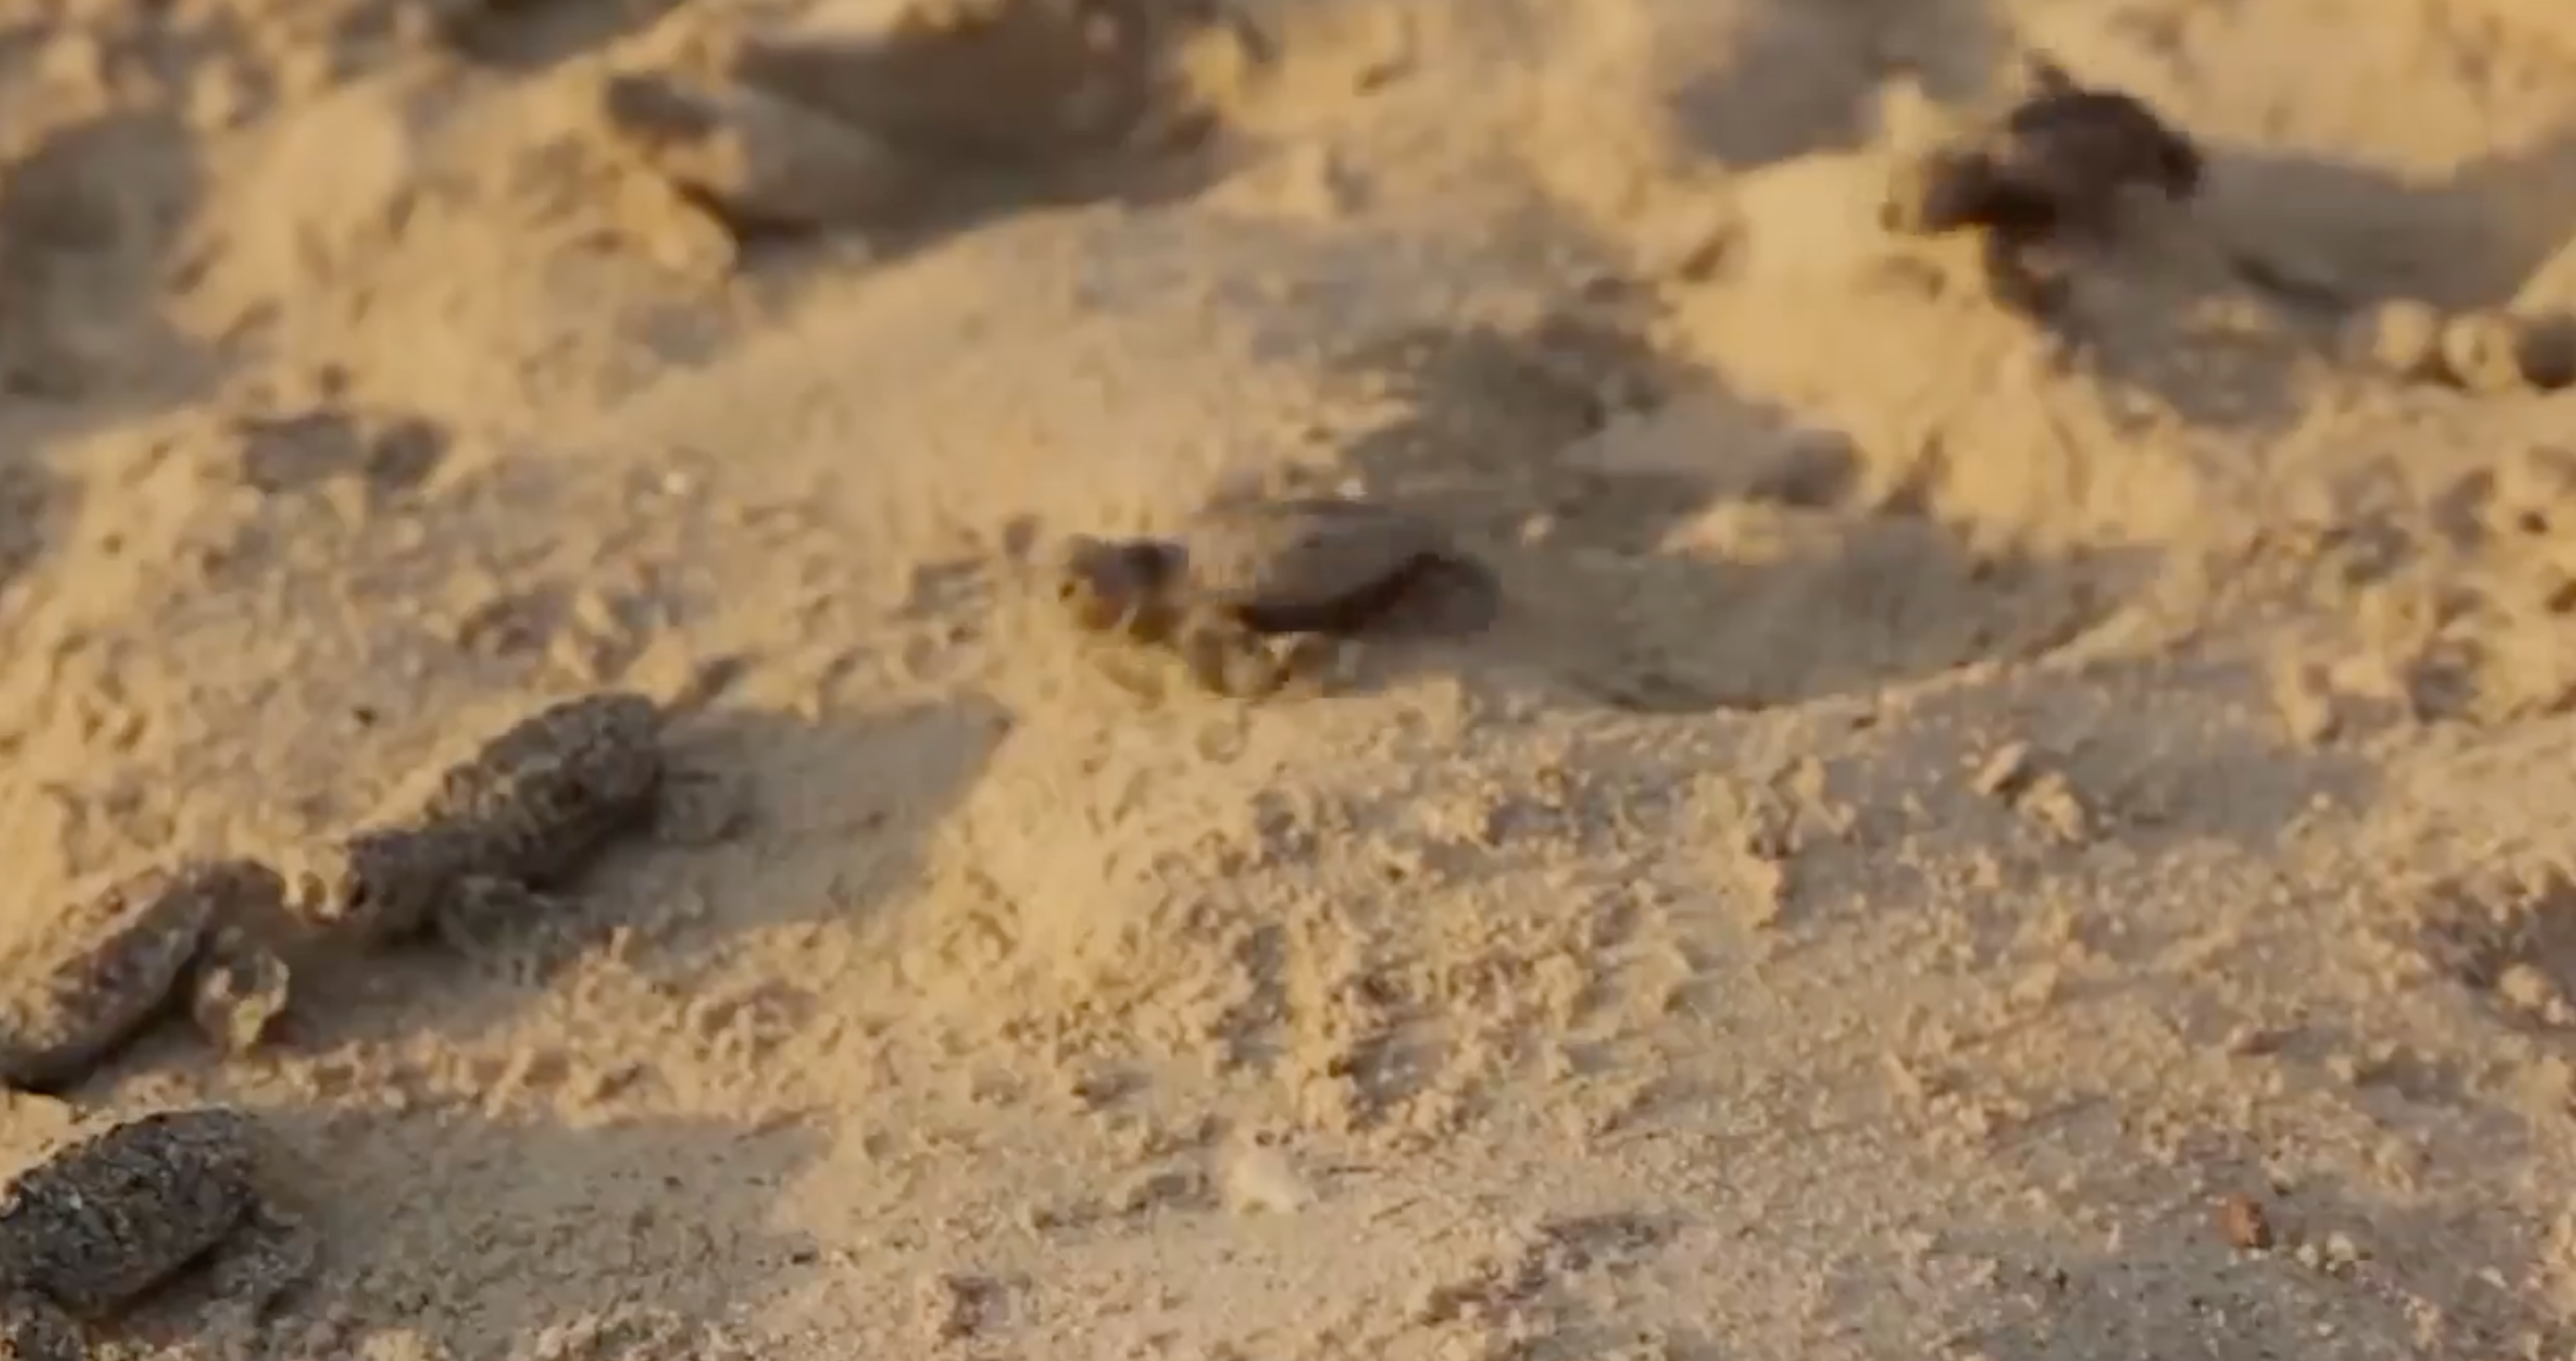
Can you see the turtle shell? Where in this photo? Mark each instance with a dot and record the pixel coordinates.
(1307, 564)
(76, 984)
(126, 1201)
(597, 754)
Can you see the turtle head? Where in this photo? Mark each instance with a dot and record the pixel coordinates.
(325, 882)
(1118, 585)
(380, 884)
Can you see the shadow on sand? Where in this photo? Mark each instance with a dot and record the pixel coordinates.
(773, 821)
(1663, 546)
(90, 220)
(456, 1234)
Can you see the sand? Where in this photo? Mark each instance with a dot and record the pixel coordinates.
(1956, 846)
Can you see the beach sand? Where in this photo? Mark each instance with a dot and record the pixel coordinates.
(1956, 844)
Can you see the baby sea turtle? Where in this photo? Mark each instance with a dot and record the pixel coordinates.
(2059, 156)
(528, 811)
(1248, 589)
(125, 1206)
(2058, 160)
(76, 986)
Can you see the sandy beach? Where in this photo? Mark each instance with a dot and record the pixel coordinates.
(1961, 839)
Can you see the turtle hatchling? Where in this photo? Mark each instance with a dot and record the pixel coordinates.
(1248, 589)
(2059, 159)
(2060, 155)
(77, 985)
(529, 810)
(126, 1205)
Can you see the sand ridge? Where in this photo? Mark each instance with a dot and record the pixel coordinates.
(1940, 813)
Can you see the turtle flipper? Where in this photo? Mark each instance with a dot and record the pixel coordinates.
(497, 922)
(33, 1328)
(269, 1255)
(1228, 658)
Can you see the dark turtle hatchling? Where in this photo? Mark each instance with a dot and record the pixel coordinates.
(2059, 156)
(2056, 162)
(528, 811)
(129, 1203)
(1247, 589)
(76, 986)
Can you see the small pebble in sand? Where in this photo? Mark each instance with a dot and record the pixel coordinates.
(2046, 799)
(2481, 351)
(2403, 338)
(955, 1306)
(2305, 699)
(2243, 1224)
(2526, 989)
(2007, 772)
(2336, 1252)
(1261, 1179)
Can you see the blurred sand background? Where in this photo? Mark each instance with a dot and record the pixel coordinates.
(1936, 817)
